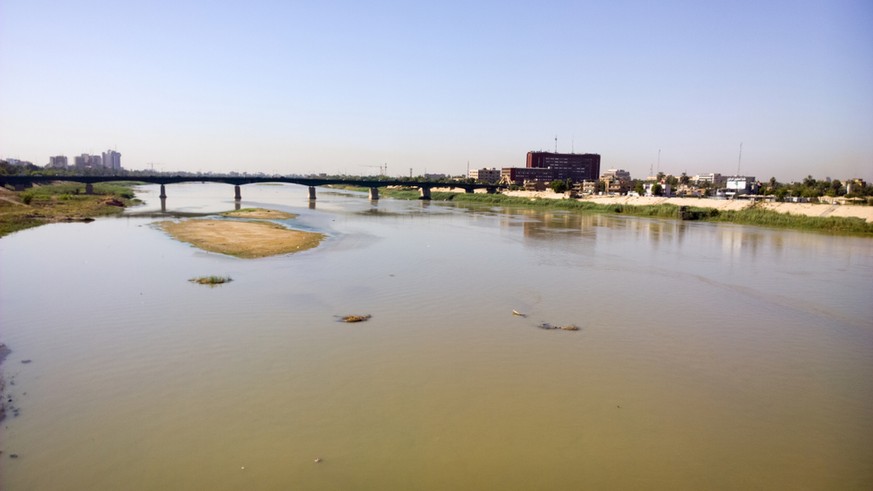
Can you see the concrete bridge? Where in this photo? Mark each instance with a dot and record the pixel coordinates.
(22, 181)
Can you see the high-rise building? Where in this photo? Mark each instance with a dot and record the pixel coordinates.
(86, 161)
(112, 160)
(58, 162)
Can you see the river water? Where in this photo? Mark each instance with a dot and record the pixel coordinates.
(710, 356)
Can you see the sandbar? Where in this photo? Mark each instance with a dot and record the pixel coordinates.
(244, 239)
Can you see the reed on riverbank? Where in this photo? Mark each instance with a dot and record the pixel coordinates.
(59, 202)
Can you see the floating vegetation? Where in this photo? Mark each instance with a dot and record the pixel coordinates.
(211, 280)
(355, 318)
(568, 327)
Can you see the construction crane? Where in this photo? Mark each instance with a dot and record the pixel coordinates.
(383, 169)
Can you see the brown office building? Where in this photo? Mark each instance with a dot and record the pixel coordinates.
(548, 166)
(575, 166)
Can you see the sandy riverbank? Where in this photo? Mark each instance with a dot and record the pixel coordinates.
(245, 239)
(807, 209)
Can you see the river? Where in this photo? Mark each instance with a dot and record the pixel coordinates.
(709, 356)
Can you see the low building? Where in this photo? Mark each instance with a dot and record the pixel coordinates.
(518, 175)
(666, 190)
(616, 181)
(714, 179)
(485, 175)
(740, 185)
(589, 187)
(855, 185)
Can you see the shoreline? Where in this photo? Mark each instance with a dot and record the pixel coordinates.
(804, 209)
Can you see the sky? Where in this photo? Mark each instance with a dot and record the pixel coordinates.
(345, 87)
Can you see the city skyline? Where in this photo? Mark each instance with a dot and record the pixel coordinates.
(342, 87)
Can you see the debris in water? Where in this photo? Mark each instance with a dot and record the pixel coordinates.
(515, 312)
(318, 460)
(355, 318)
(568, 327)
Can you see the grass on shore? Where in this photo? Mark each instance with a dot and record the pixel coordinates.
(62, 201)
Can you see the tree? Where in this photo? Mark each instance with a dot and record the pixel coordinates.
(559, 186)
(657, 190)
(639, 189)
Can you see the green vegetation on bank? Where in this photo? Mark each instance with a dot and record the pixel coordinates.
(749, 216)
(59, 202)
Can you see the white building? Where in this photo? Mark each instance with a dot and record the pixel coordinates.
(712, 178)
(740, 185)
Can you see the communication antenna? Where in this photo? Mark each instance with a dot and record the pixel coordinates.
(556, 143)
(659, 161)
(740, 159)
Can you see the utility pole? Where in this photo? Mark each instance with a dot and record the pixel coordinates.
(740, 159)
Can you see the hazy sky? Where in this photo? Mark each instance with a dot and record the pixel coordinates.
(322, 86)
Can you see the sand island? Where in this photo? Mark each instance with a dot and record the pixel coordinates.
(244, 238)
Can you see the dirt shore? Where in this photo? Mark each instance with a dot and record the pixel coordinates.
(807, 209)
(245, 239)
(260, 214)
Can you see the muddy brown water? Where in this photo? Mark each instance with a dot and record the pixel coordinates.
(708, 356)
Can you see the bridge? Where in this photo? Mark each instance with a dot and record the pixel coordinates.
(23, 181)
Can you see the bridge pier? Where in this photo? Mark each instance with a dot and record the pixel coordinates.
(311, 193)
(470, 190)
(163, 192)
(374, 194)
(491, 190)
(236, 193)
(89, 188)
(424, 193)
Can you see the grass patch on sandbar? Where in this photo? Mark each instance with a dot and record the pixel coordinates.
(211, 280)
